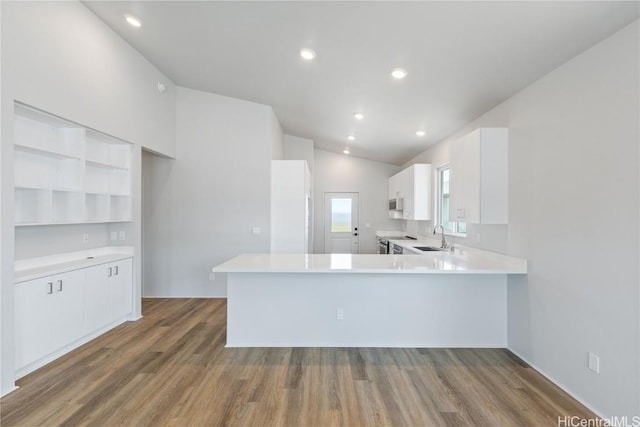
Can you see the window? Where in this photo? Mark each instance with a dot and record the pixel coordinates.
(340, 215)
(443, 204)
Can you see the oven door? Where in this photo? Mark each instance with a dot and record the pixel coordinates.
(383, 246)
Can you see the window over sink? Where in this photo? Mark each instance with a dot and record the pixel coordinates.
(443, 204)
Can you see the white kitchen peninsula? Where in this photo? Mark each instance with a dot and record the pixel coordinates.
(436, 299)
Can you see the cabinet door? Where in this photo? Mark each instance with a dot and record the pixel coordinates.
(33, 311)
(68, 317)
(471, 183)
(407, 185)
(122, 289)
(98, 297)
(456, 181)
(393, 187)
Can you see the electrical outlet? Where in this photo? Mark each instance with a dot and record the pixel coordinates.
(114, 235)
(212, 276)
(340, 313)
(85, 238)
(594, 362)
(122, 235)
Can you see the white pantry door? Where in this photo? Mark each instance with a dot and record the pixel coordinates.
(341, 223)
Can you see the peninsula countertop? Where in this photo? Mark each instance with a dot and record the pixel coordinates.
(461, 261)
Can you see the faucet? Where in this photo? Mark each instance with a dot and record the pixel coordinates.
(435, 230)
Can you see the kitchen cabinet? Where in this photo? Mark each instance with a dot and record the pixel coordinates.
(67, 174)
(393, 187)
(394, 193)
(413, 186)
(108, 294)
(57, 313)
(290, 207)
(478, 184)
(122, 289)
(48, 315)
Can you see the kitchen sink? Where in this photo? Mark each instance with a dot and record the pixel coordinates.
(428, 248)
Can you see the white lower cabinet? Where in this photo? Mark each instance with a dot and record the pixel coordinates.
(54, 312)
(121, 288)
(48, 315)
(97, 298)
(109, 294)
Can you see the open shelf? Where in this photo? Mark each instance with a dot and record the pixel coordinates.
(45, 152)
(104, 165)
(66, 173)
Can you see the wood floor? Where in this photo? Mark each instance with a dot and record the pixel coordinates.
(171, 368)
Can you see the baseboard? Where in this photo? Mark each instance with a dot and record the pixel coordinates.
(15, 387)
(184, 296)
(559, 384)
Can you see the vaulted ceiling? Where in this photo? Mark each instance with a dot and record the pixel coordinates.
(462, 59)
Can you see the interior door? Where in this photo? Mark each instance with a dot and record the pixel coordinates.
(341, 235)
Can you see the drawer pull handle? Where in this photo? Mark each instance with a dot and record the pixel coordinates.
(50, 290)
(116, 271)
(59, 285)
(110, 271)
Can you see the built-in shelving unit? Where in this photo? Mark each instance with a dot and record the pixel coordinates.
(68, 174)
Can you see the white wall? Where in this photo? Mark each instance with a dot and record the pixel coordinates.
(341, 173)
(296, 148)
(277, 147)
(573, 213)
(6, 374)
(201, 208)
(59, 57)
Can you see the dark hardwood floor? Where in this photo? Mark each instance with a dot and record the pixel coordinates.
(171, 368)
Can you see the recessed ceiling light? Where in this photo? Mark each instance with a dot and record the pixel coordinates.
(399, 73)
(351, 137)
(307, 54)
(346, 151)
(358, 116)
(421, 133)
(133, 21)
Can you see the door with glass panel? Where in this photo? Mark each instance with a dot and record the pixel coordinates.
(341, 223)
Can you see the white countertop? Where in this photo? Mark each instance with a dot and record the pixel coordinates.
(36, 268)
(390, 234)
(461, 262)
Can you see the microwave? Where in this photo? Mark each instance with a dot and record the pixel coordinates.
(396, 204)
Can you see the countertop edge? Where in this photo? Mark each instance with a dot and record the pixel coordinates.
(64, 267)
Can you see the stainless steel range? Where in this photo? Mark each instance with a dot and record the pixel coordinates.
(384, 247)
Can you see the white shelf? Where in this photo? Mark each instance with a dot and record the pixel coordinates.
(98, 164)
(34, 224)
(45, 152)
(68, 174)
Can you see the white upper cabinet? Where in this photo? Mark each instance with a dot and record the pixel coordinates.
(479, 177)
(413, 186)
(67, 174)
